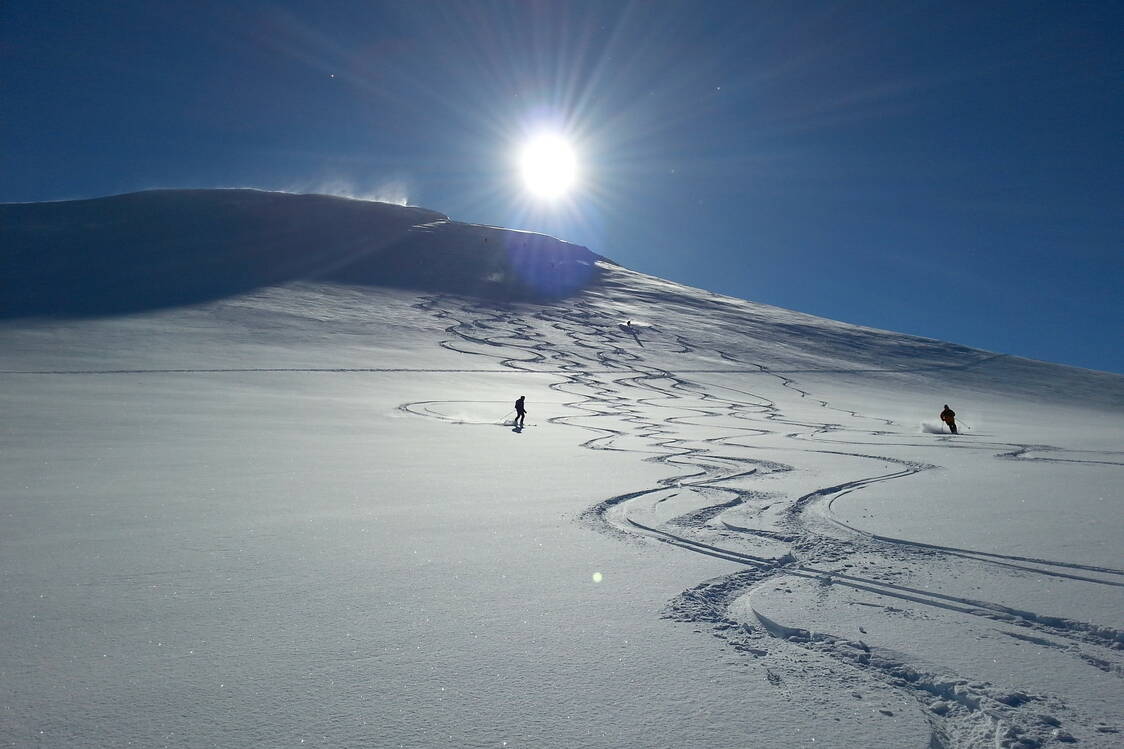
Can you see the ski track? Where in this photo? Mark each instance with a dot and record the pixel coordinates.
(614, 390)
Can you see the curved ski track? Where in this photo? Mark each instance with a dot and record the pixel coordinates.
(619, 397)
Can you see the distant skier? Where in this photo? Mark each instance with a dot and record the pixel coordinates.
(521, 412)
(948, 416)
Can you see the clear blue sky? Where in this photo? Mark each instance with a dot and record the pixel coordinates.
(949, 169)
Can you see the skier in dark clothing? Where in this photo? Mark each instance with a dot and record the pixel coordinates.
(521, 412)
(948, 416)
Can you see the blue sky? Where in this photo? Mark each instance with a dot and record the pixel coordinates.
(949, 169)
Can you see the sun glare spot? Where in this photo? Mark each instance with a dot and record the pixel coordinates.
(549, 166)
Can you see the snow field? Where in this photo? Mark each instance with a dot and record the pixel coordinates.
(202, 549)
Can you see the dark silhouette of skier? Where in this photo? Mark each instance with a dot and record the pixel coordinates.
(948, 416)
(634, 332)
(520, 411)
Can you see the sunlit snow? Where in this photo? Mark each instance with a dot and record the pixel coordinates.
(296, 512)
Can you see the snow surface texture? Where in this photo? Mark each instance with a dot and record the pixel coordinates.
(299, 516)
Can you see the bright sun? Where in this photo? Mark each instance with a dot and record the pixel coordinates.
(549, 166)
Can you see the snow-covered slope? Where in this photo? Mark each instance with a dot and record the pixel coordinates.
(170, 247)
(291, 511)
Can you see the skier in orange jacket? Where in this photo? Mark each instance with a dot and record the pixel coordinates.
(948, 416)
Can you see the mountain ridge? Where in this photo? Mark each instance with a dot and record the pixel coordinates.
(159, 249)
(165, 248)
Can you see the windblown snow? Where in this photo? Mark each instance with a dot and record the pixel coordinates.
(276, 505)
